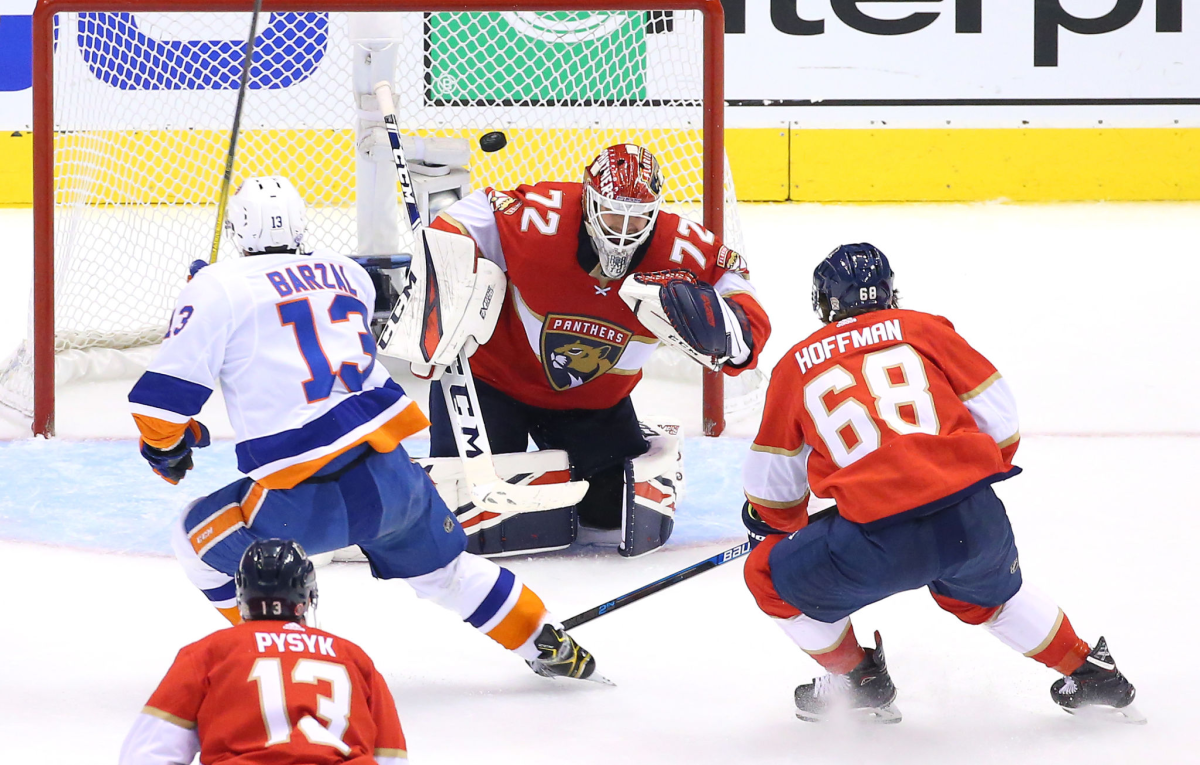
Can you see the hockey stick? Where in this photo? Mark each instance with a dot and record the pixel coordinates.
(732, 553)
(458, 385)
(227, 178)
(720, 558)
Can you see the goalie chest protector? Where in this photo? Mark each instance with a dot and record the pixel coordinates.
(565, 339)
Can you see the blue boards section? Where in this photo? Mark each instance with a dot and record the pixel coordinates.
(101, 494)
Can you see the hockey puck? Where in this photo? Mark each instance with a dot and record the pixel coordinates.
(494, 141)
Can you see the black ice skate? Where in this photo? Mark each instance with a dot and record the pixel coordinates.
(562, 657)
(866, 691)
(1097, 686)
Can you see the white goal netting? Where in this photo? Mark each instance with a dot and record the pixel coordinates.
(143, 103)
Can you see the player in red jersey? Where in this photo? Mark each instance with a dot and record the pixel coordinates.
(598, 276)
(270, 690)
(893, 415)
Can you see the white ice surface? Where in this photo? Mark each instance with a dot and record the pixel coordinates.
(1087, 309)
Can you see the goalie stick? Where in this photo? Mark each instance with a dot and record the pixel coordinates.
(227, 178)
(458, 385)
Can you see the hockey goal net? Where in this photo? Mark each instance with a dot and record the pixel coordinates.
(133, 110)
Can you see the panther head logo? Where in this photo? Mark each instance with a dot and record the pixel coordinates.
(577, 349)
(582, 358)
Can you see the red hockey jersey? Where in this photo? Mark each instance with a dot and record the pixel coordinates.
(565, 339)
(884, 412)
(269, 693)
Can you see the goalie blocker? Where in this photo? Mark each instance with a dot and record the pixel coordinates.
(451, 299)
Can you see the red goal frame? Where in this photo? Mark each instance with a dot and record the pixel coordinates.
(43, 137)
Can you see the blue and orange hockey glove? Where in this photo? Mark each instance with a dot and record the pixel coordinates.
(172, 464)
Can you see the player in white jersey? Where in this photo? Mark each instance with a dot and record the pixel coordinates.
(318, 425)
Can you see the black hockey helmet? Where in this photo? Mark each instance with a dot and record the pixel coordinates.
(275, 580)
(853, 279)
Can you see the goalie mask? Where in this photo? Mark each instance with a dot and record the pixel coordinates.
(266, 215)
(622, 191)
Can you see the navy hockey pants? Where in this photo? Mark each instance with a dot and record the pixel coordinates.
(965, 551)
(384, 503)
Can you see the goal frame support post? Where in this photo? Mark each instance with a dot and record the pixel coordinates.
(43, 135)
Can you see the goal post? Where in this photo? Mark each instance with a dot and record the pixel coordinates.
(66, 212)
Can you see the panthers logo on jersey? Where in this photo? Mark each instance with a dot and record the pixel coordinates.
(733, 261)
(503, 203)
(578, 349)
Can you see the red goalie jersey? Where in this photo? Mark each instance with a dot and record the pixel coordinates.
(886, 412)
(269, 693)
(565, 339)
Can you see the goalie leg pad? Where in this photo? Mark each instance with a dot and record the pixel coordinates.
(650, 495)
(493, 533)
(526, 533)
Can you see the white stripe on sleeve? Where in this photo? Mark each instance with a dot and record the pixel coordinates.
(776, 476)
(995, 410)
(731, 283)
(154, 741)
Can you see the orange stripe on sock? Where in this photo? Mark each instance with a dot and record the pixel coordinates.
(521, 622)
(232, 614)
(1063, 651)
(842, 657)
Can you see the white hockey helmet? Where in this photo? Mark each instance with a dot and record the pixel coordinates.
(266, 214)
(622, 191)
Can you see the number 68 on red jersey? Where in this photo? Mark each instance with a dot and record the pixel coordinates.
(887, 412)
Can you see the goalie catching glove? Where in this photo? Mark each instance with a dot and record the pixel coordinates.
(689, 315)
(451, 299)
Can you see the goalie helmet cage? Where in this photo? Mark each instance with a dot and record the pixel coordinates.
(150, 178)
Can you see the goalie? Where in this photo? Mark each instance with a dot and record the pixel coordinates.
(597, 278)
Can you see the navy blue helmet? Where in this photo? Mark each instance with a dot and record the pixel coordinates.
(275, 580)
(853, 279)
